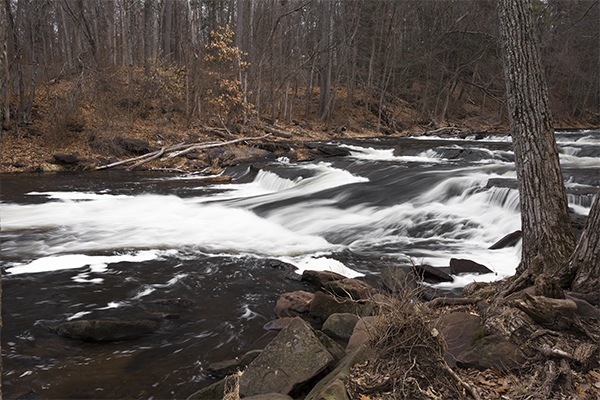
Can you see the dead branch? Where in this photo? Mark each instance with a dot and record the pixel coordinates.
(200, 146)
(172, 148)
(464, 384)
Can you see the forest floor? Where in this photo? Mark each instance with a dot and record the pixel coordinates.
(98, 124)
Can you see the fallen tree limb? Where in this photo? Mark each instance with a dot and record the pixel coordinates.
(464, 384)
(172, 148)
(154, 157)
(201, 146)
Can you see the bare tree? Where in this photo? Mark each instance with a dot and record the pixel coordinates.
(548, 238)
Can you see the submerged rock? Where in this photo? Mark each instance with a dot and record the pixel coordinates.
(101, 330)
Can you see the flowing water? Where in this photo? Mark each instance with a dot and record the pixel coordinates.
(105, 244)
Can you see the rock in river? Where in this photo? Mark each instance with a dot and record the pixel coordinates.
(101, 330)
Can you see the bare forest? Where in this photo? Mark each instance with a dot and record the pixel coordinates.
(94, 71)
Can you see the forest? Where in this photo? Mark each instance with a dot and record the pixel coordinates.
(107, 67)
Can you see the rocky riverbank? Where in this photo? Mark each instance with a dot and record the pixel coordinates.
(349, 340)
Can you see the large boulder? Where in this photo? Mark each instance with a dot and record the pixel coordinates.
(463, 266)
(293, 357)
(101, 330)
(338, 284)
(293, 304)
(323, 306)
(340, 325)
(362, 334)
(492, 352)
(458, 330)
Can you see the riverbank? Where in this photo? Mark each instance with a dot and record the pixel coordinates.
(348, 340)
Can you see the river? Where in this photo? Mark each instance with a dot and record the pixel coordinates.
(96, 245)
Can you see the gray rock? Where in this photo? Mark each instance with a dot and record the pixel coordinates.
(332, 386)
(100, 330)
(458, 330)
(492, 352)
(509, 240)
(323, 306)
(340, 325)
(338, 284)
(334, 348)
(293, 304)
(363, 331)
(293, 357)
(431, 274)
(214, 391)
(463, 266)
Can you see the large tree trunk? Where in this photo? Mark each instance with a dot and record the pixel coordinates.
(548, 238)
(584, 264)
(325, 67)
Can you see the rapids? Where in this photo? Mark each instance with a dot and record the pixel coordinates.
(104, 244)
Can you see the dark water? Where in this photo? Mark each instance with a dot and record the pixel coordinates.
(105, 244)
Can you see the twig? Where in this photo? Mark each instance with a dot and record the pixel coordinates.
(463, 383)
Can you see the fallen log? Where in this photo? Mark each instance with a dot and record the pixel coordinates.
(172, 148)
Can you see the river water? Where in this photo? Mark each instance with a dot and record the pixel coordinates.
(105, 244)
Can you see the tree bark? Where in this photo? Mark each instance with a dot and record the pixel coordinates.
(584, 264)
(325, 67)
(548, 238)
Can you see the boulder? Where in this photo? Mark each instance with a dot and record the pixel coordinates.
(318, 279)
(278, 324)
(338, 284)
(293, 357)
(352, 288)
(332, 386)
(458, 330)
(492, 352)
(462, 266)
(71, 158)
(293, 304)
(101, 330)
(362, 333)
(134, 146)
(397, 279)
(323, 306)
(288, 270)
(431, 274)
(509, 240)
(340, 325)
(223, 368)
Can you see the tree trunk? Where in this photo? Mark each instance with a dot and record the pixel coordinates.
(325, 67)
(548, 238)
(148, 18)
(584, 264)
(167, 37)
(4, 103)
